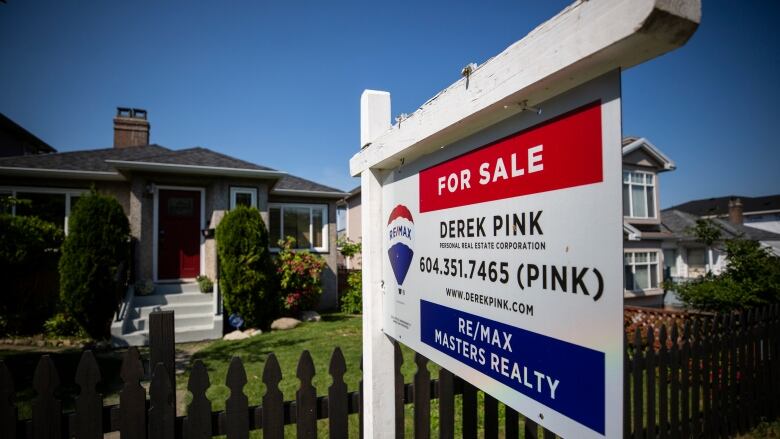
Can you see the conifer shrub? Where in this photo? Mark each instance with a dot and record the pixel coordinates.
(93, 265)
(246, 272)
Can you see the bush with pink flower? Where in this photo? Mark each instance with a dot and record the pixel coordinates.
(299, 274)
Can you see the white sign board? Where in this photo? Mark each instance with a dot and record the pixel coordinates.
(503, 260)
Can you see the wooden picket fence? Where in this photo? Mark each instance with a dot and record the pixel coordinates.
(714, 378)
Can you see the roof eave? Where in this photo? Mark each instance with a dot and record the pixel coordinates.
(307, 193)
(170, 168)
(62, 173)
(666, 163)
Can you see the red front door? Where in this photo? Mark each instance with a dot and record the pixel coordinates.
(178, 238)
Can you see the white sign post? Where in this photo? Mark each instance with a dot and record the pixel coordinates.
(492, 235)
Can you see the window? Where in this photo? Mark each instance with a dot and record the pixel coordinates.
(638, 194)
(670, 263)
(243, 196)
(697, 262)
(306, 223)
(641, 270)
(49, 204)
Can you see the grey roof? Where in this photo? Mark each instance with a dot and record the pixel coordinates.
(95, 161)
(678, 223)
(91, 160)
(291, 182)
(720, 205)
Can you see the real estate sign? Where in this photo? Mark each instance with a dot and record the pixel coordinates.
(503, 260)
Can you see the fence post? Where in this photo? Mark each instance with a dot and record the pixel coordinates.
(162, 342)
(378, 407)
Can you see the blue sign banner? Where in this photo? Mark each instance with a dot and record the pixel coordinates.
(565, 377)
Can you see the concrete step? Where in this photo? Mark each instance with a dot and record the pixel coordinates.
(176, 288)
(180, 310)
(183, 335)
(172, 299)
(142, 324)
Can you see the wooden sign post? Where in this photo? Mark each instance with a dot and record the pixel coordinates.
(491, 233)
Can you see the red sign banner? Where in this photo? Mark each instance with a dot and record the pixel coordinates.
(560, 153)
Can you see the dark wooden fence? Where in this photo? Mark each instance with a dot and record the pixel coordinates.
(717, 377)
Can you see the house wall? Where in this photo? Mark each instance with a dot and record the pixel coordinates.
(329, 298)
(354, 228)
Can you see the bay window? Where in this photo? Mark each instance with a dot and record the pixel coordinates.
(638, 194)
(641, 270)
(307, 223)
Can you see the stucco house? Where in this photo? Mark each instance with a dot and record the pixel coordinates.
(686, 258)
(174, 199)
(643, 233)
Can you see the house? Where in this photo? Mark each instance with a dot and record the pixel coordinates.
(643, 232)
(758, 212)
(15, 140)
(685, 257)
(174, 199)
(352, 231)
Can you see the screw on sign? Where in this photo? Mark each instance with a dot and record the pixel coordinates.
(236, 321)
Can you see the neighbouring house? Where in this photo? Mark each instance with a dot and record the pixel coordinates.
(758, 212)
(15, 140)
(685, 257)
(174, 200)
(350, 205)
(643, 232)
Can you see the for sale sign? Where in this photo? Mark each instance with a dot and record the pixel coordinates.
(504, 260)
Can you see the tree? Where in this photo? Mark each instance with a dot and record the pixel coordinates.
(751, 278)
(247, 275)
(94, 259)
(708, 234)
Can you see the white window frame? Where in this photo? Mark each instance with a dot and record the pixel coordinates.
(627, 181)
(243, 190)
(632, 263)
(325, 224)
(68, 192)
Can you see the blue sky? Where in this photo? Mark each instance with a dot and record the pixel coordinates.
(278, 83)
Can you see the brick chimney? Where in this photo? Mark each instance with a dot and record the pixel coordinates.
(735, 211)
(130, 127)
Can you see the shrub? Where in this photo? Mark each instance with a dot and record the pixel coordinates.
(299, 272)
(29, 253)
(94, 257)
(63, 325)
(352, 300)
(751, 278)
(205, 284)
(247, 276)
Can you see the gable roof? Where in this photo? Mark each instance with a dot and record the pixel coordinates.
(631, 144)
(720, 205)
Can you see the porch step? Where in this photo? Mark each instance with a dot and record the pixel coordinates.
(172, 299)
(180, 321)
(183, 335)
(184, 309)
(194, 317)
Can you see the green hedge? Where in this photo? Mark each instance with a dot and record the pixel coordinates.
(94, 258)
(29, 253)
(247, 277)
